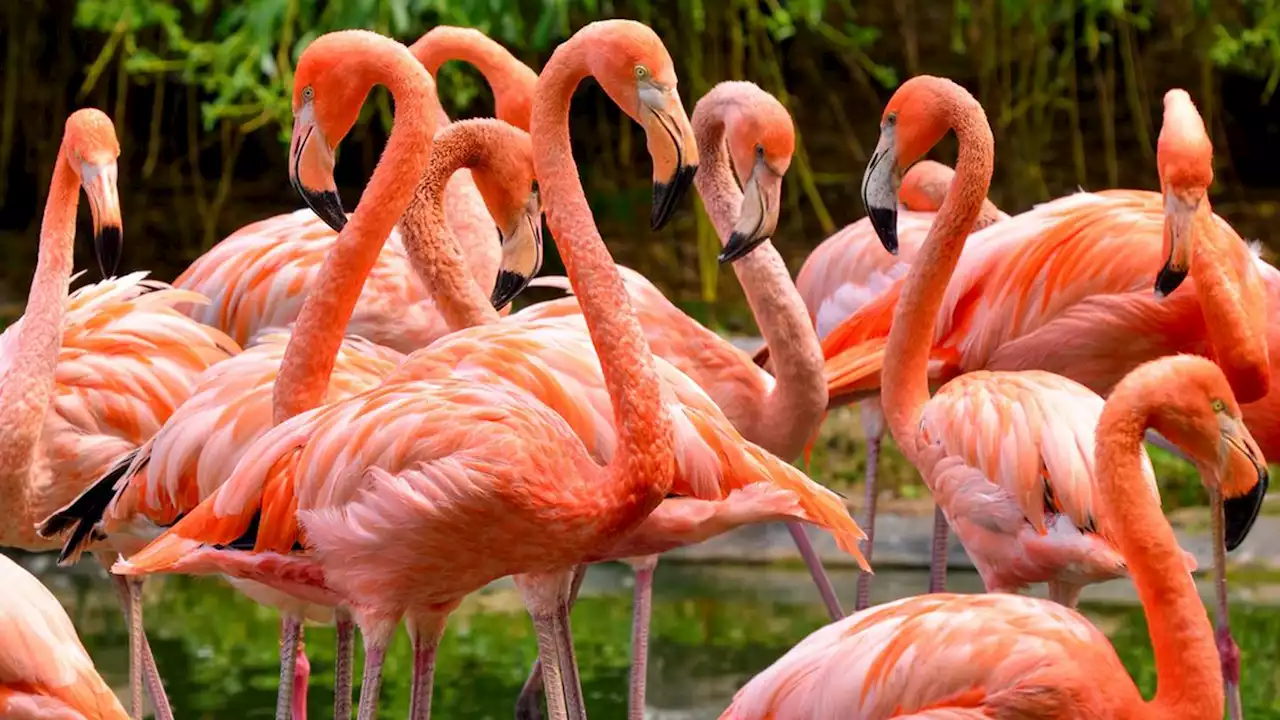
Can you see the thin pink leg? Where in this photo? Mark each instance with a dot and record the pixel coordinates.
(816, 571)
(424, 633)
(1228, 651)
(301, 677)
(874, 438)
(290, 636)
(938, 560)
(641, 612)
(376, 636)
(342, 665)
(547, 598)
(529, 704)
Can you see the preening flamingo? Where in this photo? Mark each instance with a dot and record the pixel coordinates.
(850, 268)
(45, 672)
(90, 375)
(230, 407)
(259, 275)
(981, 656)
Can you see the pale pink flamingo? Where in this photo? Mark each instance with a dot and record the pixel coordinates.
(259, 275)
(982, 656)
(997, 448)
(87, 376)
(45, 673)
(231, 405)
(483, 362)
(848, 270)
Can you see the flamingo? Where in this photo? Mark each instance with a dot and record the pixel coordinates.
(88, 375)
(259, 275)
(850, 268)
(979, 656)
(1096, 250)
(45, 672)
(230, 406)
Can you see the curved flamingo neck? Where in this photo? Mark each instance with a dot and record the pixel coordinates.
(905, 384)
(512, 81)
(26, 389)
(786, 418)
(317, 335)
(640, 473)
(1234, 303)
(1189, 675)
(431, 245)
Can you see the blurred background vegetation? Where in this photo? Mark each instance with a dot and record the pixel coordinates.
(199, 92)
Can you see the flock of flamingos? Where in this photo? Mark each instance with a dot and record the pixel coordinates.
(337, 413)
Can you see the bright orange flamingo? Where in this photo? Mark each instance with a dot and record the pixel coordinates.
(259, 275)
(87, 376)
(983, 656)
(1097, 251)
(199, 446)
(45, 672)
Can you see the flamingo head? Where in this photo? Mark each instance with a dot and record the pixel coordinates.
(91, 150)
(1184, 156)
(760, 138)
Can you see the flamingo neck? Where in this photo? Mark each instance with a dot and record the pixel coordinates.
(317, 335)
(640, 473)
(1189, 676)
(905, 385)
(433, 250)
(1234, 303)
(786, 418)
(512, 81)
(27, 388)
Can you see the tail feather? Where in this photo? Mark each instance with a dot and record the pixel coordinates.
(854, 372)
(84, 513)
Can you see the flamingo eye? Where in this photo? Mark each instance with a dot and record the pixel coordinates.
(1219, 405)
(308, 94)
(642, 72)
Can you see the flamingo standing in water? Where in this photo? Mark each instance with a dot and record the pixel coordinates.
(87, 376)
(259, 275)
(230, 407)
(45, 672)
(984, 656)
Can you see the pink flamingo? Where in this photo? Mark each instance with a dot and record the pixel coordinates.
(45, 672)
(231, 406)
(983, 656)
(1018, 491)
(259, 275)
(92, 374)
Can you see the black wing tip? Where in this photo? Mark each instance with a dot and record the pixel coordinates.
(84, 513)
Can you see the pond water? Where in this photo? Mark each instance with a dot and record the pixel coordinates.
(714, 628)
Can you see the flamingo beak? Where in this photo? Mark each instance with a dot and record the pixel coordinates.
(880, 189)
(521, 253)
(1179, 214)
(311, 169)
(1245, 486)
(672, 147)
(758, 217)
(99, 183)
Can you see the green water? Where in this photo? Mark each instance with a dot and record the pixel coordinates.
(714, 627)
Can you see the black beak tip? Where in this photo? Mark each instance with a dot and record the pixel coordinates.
(1240, 513)
(326, 204)
(506, 287)
(1168, 280)
(667, 195)
(739, 246)
(107, 246)
(885, 222)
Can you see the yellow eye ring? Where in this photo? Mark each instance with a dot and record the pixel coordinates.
(641, 72)
(308, 94)
(1219, 406)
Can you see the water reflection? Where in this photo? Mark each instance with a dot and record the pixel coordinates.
(714, 628)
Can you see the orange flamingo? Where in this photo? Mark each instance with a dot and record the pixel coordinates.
(980, 656)
(259, 275)
(87, 376)
(45, 672)
(1006, 474)
(230, 407)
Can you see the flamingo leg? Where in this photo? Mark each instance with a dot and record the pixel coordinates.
(641, 612)
(938, 558)
(124, 591)
(290, 635)
(1065, 594)
(342, 665)
(547, 598)
(142, 665)
(874, 430)
(424, 633)
(376, 636)
(301, 676)
(816, 571)
(529, 704)
(1228, 651)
